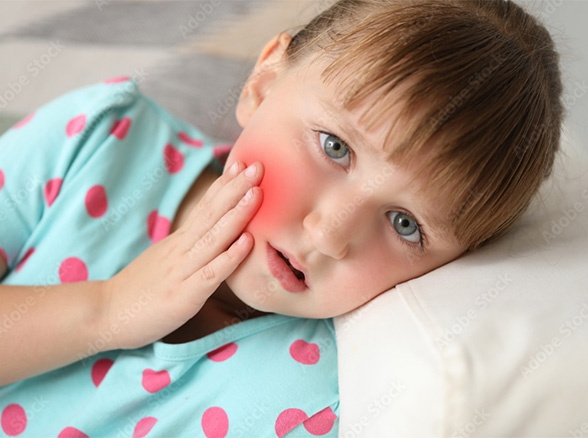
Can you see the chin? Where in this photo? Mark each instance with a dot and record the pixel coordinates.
(268, 298)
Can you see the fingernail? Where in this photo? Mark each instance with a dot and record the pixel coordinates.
(241, 240)
(234, 168)
(251, 171)
(248, 195)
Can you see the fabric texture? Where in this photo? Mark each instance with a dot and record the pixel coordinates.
(88, 182)
(490, 345)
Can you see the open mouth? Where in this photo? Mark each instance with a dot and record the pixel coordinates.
(298, 274)
(290, 278)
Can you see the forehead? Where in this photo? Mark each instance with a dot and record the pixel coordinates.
(382, 115)
(381, 137)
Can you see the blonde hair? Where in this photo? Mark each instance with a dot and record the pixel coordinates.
(486, 73)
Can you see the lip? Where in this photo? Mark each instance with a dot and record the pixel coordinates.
(282, 272)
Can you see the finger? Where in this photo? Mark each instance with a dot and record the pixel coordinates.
(227, 229)
(234, 170)
(210, 210)
(206, 280)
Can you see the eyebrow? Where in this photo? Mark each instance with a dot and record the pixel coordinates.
(351, 133)
(435, 226)
(430, 221)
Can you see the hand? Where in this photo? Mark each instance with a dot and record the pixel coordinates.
(171, 280)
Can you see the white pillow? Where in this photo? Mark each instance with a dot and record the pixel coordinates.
(493, 344)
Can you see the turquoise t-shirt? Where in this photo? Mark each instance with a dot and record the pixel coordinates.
(87, 183)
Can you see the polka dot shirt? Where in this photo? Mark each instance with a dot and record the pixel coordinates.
(87, 183)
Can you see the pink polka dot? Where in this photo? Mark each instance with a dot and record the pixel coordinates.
(71, 432)
(73, 269)
(174, 159)
(154, 381)
(99, 370)
(117, 79)
(158, 227)
(75, 125)
(52, 189)
(190, 141)
(13, 420)
(96, 201)
(144, 426)
(215, 422)
(4, 255)
(321, 423)
(223, 353)
(304, 352)
(24, 259)
(121, 127)
(288, 420)
(24, 121)
(1, 179)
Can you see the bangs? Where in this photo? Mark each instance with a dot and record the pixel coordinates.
(470, 105)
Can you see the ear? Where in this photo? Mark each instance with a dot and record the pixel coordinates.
(271, 61)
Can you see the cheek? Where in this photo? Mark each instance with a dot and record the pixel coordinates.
(281, 184)
(378, 268)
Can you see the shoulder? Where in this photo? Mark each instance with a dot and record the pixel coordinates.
(111, 92)
(69, 114)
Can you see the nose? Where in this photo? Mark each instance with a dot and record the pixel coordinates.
(332, 225)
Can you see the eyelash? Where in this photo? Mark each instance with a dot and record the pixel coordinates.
(324, 156)
(420, 246)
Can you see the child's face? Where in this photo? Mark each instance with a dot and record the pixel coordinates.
(333, 204)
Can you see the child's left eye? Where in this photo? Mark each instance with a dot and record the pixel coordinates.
(335, 148)
(406, 226)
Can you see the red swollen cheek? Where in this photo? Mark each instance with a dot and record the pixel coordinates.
(279, 185)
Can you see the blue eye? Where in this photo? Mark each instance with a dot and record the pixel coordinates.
(406, 226)
(335, 148)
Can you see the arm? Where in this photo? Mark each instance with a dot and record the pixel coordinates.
(45, 327)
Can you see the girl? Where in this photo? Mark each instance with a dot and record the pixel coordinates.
(383, 140)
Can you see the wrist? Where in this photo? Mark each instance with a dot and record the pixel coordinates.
(101, 332)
